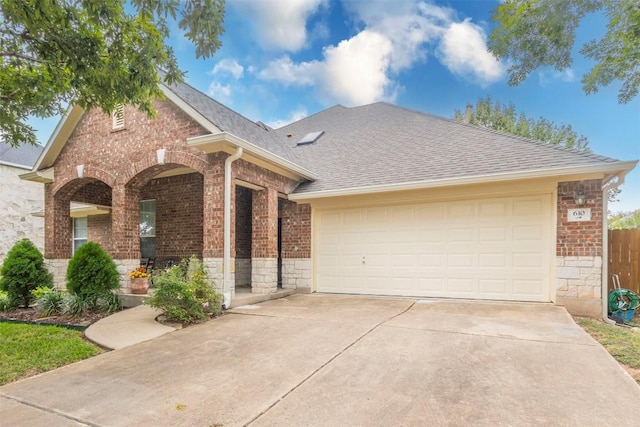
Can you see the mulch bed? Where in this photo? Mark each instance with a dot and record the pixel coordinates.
(30, 315)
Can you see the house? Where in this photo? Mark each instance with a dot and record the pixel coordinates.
(19, 199)
(376, 199)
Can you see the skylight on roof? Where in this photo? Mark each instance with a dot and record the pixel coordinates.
(310, 138)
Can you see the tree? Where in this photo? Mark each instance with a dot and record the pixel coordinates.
(93, 54)
(625, 220)
(504, 118)
(541, 33)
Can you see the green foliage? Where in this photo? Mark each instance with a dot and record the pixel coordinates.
(93, 54)
(31, 349)
(49, 302)
(5, 302)
(75, 305)
(22, 271)
(541, 33)
(91, 272)
(625, 220)
(505, 118)
(184, 294)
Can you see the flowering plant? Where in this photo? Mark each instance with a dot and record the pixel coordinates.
(139, 273)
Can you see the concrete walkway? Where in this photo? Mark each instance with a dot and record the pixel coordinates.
(330, 360)
(127, 327)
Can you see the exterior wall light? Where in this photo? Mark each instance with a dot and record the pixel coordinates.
(579, 197)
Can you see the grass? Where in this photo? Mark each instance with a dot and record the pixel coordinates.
(623, 343)
(27, 350)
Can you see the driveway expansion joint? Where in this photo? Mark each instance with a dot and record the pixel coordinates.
(49, 410)
(334, 357)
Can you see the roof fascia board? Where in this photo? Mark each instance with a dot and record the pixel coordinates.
(191, 112)
(59, 137)
(44, 176)
(218, 141)
(617, 168)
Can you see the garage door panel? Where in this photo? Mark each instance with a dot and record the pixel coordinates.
(489, 249)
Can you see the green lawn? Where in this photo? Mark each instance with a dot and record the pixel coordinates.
(623, 343)
(26, 350)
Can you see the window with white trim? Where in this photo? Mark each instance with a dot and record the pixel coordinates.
(148, 228)
(117, 117)
(79, 232)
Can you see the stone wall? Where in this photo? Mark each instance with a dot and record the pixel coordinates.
(18, 200)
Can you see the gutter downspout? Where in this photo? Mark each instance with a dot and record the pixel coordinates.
(605, 246)
(226, 262)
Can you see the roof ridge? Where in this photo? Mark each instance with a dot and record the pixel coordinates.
(214, 100)
(589, 153)
(337, 106)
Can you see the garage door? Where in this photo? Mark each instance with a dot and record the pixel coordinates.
(488, 249)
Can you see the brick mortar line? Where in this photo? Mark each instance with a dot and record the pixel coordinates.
(357, 340)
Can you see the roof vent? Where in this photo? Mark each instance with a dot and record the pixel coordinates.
(310, 138)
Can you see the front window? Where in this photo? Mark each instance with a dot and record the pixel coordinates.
(148, 228)
(79, 232)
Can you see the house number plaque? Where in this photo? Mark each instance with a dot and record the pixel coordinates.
(579, 215)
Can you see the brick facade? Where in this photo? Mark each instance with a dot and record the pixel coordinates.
(120, 169)
(579, 238)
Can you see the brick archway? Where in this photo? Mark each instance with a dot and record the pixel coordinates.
(147, 168)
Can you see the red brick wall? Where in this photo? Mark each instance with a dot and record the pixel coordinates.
(296, 230)
(579, 238)
(179, 213)
(99, 230)
(124, 162)
(265, 224)
(95, 192)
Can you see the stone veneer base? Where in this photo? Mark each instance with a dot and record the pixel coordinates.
(296, 273)
(264, 275)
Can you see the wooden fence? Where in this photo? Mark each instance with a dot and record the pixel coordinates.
(624, 258)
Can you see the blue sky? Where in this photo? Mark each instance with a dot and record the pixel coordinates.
(283, 60)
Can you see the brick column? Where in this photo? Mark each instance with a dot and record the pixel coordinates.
(125, 230)
(296, 245)
(213, 223)
(264, 250)
(57, 234)
(579, 250)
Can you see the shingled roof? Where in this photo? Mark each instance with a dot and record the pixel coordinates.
(24, 156)
(234, 123)
(383, 144)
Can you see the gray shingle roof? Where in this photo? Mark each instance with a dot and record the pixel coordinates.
(381, 144)
(24, 155)
(234, 123)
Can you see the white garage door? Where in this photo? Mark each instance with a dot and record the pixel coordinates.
(487, 249)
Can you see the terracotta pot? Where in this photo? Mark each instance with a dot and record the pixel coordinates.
(140, 285)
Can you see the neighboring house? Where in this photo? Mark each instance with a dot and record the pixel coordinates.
(374, 200)
(19, 199)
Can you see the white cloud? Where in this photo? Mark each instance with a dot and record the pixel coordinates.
(294, 116)
(279, 25)
(228, 66)
(463, 50)
(356, 70)
(285, 71)
(220, 92)
(353, 73)
(393, 37)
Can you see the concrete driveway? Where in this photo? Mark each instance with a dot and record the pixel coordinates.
(344, 360)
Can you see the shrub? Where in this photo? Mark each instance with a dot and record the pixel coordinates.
(75, 305)
(91, 272)
(184, 294)
(22, 271)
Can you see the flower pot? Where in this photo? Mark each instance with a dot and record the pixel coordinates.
(140, 285)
